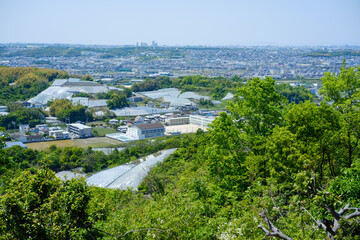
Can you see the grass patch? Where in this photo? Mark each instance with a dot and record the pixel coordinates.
(101, 132)
(97, 142)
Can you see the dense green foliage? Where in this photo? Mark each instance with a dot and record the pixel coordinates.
(28, 82)
(63, 109)
(38, 205)
(217, 87)
(294, 94)
(70, 51)
(295, 162)
(117, 101)
(107, 95)
(50, 51)
(333, 54)
(20, 115)
(206, 103)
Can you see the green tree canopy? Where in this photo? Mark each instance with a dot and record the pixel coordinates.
(117, 101)
(38, 205)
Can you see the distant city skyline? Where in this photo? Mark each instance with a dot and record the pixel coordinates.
(181, 23)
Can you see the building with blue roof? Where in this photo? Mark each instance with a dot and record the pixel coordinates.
(11, 144)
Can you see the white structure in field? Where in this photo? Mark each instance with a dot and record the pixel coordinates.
(202, 121)
(142, 131)
(79, 130)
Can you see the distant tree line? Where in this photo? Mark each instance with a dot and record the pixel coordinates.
(50, 51)
(216, 87)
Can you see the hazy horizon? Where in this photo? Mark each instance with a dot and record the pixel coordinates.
(263, 23)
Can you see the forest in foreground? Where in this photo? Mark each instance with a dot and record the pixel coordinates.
(269, 168)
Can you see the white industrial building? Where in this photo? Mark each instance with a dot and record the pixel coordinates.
(78, 130)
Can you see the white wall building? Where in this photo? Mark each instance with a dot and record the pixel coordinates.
(113, 121)
(142, 131)
(3, 108)
(177, 121)
(57, 134)
(202, 121)
(79, 130)
(24, 128)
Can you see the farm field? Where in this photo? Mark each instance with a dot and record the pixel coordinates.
(96, 142)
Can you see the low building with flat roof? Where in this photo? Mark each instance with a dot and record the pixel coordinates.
(79, 130)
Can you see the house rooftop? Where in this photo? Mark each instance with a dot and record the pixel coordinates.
(11, 144)
(34, 137)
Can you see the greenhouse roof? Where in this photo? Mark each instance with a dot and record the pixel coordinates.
(128, 175)
(141, 110)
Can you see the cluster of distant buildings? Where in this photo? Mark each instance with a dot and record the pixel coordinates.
(155, 125)
(140, 128)
(43, 132)
(246, 62)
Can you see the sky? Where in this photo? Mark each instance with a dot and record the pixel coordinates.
(182, 22)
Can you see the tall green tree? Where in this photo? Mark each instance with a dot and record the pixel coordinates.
(63, 109)
(343, 90)
(117, 101)
(257, 111)
(258, 108)
(307, 148)
(226, 153)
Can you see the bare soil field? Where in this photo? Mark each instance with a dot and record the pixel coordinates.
(47, 144)
(186, 128)
(96, 142)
